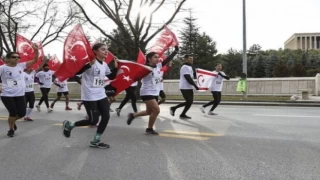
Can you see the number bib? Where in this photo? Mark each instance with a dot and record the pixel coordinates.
(98, 82)
(155, 80)
(218, 82)
(29, 86)
(14, 83)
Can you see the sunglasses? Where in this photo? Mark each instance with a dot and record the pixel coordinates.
(15, 57)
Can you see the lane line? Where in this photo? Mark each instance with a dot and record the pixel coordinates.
(192, 133)
(183, 136)
(279, 115)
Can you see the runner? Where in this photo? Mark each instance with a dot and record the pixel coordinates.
(62, 88)
(130, 95)
(13, 87)
(215, 88)
(162, 94)
(93, 96)
(45, 81)
(29, 74)
(150, 89)
(186, 85)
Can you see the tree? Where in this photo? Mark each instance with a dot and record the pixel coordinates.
(259, 67)
(281, 70)
(189, 35)
(272, 60)
(136, 32)
(205, 52)
(232, 62)
(48, 21)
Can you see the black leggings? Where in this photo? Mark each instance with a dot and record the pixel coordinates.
(216, 100)
(188, 96)
(45, 98)
(29, 96)
(130, 95)
(94, 110)
(15, 105)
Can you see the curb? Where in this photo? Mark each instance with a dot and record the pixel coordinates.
(246, 103)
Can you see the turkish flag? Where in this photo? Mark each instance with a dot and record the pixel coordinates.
(141, 58)
(24, 48)
(76, 53)
(128, 73)
(54, 63)
(167, 39)
(1, 62)
(204, 79)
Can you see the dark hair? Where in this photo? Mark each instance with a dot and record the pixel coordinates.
(187, 56)
(97, 46)
(150, 55)
(218, 63)
(10, 54)
(45, 64)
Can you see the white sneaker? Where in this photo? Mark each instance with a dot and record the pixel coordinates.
(203, 109)
(212, 113)
(38, 108)
(50, 110)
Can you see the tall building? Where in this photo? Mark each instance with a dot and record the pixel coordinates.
(303, 41)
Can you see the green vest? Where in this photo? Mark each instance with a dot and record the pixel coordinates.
(242, 85)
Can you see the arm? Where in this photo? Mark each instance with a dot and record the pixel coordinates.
(41, 66)
(170, 57)
(36, 56)
(224, 76)
(77, 79)
(115, 62)
(190, 81)
(84, 68)
(113, 73)
(56, 83)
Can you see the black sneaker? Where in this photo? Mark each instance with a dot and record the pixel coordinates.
(15, 127)
(185, 117)
(150, 131)
(172, 110)
(130, 118)
(118, 111)
(66, 128)
(10, 133)
(99, 144)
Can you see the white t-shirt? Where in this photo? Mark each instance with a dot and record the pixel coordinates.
(134, 84)
(92, 82)
(151, 83)
(217, 82)
(13, 84)
(29, 81)
(183, 83)
(63, 84)
(161, 82)
(45, 78)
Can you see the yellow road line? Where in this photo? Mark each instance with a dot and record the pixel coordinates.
(183, 136)
(192, 133)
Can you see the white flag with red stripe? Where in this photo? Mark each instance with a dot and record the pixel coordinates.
(204, 79)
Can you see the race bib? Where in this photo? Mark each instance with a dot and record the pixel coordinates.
(29, 86)
(14, 83)
(155, 80)
(218, 82)
(63, 85)
(98, 82)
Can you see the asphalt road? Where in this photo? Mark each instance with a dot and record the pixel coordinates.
(242, 142)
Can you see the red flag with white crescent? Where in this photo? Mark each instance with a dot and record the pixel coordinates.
(204, 79)
(128, 73)
(54, 63)
(76, 53)
(167, 39)
(24, 48)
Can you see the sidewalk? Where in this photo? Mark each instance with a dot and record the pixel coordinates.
(300, 103)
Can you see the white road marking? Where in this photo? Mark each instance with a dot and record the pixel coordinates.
(282, 115)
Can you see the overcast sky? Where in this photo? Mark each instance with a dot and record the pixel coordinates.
(269, 22)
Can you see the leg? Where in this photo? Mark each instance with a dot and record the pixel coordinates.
(10, 105)
(217, 99)
(174, 108)
(211, 102)
(46, 97)
(126, 98)
(154, 112)
(103, 106)
(30, 99)
(21, 107)
(188, 95)
(43, 92)
(93, 113)
(59, 94)
(134, 101)
(163, 97)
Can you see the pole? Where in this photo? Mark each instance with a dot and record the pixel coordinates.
(244, 53)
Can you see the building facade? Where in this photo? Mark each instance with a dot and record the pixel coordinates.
(303, 41)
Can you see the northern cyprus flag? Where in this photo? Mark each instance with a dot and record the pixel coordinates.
(204, 79)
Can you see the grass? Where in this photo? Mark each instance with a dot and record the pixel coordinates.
(200, 98)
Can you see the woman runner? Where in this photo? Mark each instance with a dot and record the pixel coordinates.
(93, 96)
(45, 81)
(13, 87)
(150, 89)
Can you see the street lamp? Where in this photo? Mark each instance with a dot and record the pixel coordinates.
(244, 52)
